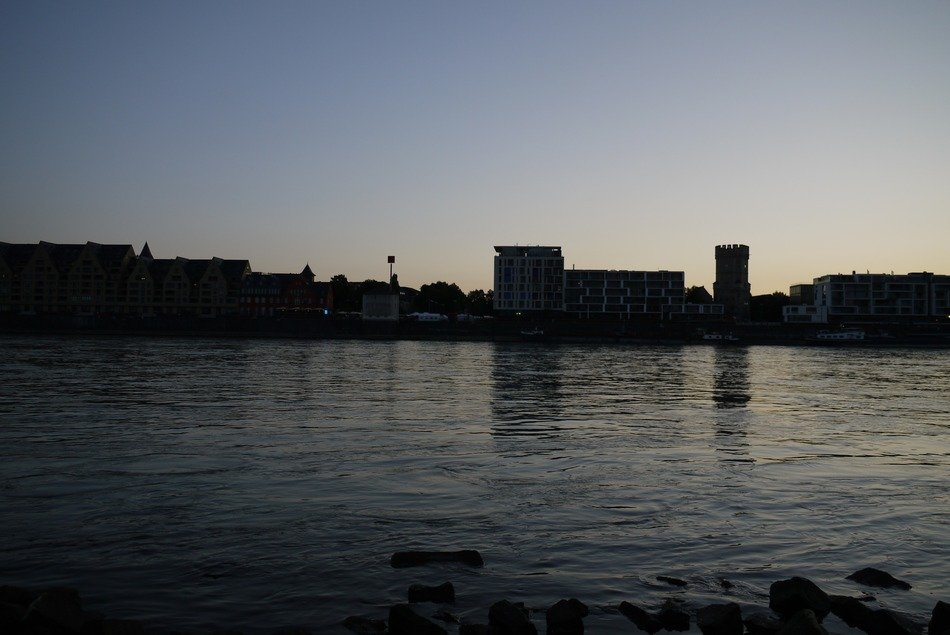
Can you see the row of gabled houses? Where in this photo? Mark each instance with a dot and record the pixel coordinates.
(95, 279)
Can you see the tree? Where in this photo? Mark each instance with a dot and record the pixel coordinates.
(341, 292)
(698, 295)
(767, 308)
(440, 297)
(479, 302)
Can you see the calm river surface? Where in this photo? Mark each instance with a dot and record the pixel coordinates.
(253, 484)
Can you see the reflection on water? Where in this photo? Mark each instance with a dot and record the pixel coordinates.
(197, 482)
(526, 390)
(731, 377)
(731, 395)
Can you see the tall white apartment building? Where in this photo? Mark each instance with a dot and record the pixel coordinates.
(529, 279)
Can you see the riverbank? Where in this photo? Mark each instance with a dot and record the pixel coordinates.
(551, 330)
(796, 606)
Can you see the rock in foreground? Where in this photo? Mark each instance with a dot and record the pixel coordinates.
(402, 559)
(566, 617)
(875, 577)
(505, 618)
(788, 597)
(404, 621)
(720, 619)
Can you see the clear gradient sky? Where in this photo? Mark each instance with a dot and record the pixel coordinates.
(637, 135)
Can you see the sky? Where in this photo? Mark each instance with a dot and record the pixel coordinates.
(634, 134)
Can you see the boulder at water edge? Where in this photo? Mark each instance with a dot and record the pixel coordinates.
(673, 581)
(858, 615)
(442, 594)
(566, 617)
(364, 625)
(673, 617)
(404, 621)
(939, 620)
(804, 622)
(643, 620)
(787, 597)
(402, 559)
(762, 624)
(720, 619)
(875, 577)
(505, 618)
(59, 609)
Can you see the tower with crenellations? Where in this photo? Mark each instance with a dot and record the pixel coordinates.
(731, 288)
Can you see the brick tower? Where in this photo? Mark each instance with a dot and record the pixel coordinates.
(731, 288)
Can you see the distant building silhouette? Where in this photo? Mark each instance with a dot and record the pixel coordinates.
(528, 279)
(623, 294)
(92, 279)
(268, 294)
(533, 279)
(873, 297)
(731, 288)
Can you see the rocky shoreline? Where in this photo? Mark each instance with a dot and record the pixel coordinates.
(797, 606)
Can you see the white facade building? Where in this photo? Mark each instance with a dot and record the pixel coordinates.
(528, 279)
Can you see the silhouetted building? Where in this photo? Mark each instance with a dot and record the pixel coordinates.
(381, 306)
(78, 279)
(731, 288)
(801, 294)
(622, 294)
(94, 279)
(875, 297)
(528, 279)
(268, 294)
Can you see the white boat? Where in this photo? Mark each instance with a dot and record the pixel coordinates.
(718, 338)
(844, 335)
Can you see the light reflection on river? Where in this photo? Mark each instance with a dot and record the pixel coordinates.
(255, 484)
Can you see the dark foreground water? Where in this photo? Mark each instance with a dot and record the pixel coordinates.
(256, 484)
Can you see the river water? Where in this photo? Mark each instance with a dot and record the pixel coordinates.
(253, 484)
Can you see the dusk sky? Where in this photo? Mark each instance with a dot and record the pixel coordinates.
(636, 135)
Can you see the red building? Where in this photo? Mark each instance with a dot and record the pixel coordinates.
(267, 294)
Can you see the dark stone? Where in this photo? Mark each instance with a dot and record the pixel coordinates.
(762, 624)
(16, 595)
(891, 623)
(787, 597)
(720, 619)
(803, 622)
(726, 584)
(442, 594)
(122, 627)
(673, 617)
(856, 614)
(505, 618)
(852, 612)
(364, 625)
(669, 580)
(875, 577)
(402, 559)
(404, 621)
(448, 618)
(643, 620)
(474, 629)
(939, 619)
(566, 617)
(56, 610)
